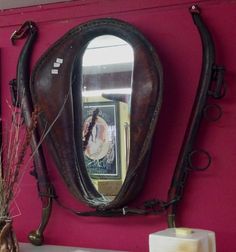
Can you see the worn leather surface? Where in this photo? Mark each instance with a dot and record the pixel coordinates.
(61, 94)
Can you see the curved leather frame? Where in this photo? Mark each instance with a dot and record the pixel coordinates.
(62, 92)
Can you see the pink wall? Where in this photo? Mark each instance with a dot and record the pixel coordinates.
(209, 200)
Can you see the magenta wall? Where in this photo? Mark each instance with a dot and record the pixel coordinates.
(209, 200)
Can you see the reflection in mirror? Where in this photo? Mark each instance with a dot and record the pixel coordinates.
(107, 73)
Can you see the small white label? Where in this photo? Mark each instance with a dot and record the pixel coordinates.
(58, 60)
(54, 71)
(56, 64)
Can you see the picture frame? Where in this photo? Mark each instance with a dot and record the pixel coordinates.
(102, 155)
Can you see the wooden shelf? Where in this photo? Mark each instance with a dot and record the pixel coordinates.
(26, 247)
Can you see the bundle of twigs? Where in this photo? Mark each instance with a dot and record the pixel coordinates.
(13, 154)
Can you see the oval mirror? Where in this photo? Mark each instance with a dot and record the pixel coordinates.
(102, 82)
(107, 74)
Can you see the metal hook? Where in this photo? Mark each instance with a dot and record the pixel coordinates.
(22, 31)
(198, 168)
(194, 9)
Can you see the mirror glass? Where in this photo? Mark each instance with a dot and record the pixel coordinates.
(107, 74)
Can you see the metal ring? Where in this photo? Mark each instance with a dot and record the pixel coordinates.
(207, 114)
(198, 168)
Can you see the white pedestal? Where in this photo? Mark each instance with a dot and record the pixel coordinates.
(176, 240)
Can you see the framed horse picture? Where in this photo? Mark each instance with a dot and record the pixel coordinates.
(101, 153)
